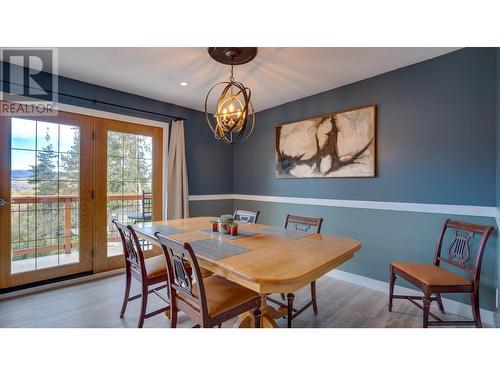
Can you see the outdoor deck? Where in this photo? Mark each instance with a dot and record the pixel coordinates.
(63, 246)
(24, 265)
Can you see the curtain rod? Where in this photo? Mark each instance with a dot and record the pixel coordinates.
(96, 101)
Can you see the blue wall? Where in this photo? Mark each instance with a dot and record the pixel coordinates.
(435, 136)
(205, 177)
(498, 178)
(386, 236)
(436, 143)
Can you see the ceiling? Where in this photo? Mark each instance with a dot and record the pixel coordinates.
(275, 76)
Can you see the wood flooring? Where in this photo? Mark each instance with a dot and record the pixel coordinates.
(97, 304)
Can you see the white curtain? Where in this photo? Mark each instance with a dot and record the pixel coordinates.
(177, 182)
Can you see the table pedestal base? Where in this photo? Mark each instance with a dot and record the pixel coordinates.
(269, 316)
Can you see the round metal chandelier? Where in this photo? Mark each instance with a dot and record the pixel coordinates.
(232, 118)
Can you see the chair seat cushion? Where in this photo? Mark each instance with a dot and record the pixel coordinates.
(156, 266)
(224, 295)
(430, 274)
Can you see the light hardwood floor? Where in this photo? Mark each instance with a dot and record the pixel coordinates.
(97, 304)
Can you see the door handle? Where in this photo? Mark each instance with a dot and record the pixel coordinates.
(3, 202)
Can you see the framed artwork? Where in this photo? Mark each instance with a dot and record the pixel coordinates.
(340, 144)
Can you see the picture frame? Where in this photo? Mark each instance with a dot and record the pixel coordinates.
(335, 145)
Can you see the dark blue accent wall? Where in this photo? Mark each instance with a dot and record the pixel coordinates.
(498, 179)
(205, 176)
(498, 128)
(436, 143)
(435, 136)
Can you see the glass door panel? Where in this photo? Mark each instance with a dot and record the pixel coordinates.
(129, 183)
(45, 174)
(46, 197)
(129, 186)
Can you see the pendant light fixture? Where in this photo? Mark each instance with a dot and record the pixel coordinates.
(231, 118)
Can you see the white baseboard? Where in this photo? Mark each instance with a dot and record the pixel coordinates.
(454, 307)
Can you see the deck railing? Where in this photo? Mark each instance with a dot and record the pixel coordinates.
(65, 204)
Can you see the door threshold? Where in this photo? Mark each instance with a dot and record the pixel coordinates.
(60, 282)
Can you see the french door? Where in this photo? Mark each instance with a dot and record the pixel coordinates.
(128, 185)
(63, 180)
(46, 209)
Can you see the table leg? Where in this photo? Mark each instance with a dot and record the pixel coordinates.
(269, 314)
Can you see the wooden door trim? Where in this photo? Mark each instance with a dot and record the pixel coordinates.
(102, 262)
(5, 142)
(86, 126)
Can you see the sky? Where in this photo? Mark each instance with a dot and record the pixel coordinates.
(30, 135)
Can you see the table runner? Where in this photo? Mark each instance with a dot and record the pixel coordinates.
(215, 249)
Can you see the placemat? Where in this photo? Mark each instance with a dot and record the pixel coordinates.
(162, 228)
(292, 234)
(215, 249)
(241, 234)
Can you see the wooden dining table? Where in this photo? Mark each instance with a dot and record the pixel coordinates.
(273, 261)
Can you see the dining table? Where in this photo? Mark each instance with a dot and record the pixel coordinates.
(263, 258)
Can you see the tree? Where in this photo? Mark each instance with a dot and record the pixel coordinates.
(45, 179)
(70, 167)
(44, 173)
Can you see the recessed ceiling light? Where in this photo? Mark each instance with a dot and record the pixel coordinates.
(183, 84)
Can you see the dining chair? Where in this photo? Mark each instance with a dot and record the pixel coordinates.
(207, 301)
(246, 216)
(146, 212)
(150, 272)
(433, 279)
(309, 225)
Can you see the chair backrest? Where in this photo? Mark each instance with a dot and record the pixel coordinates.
(134, 257)
(147, 206)
(459, 252)
(246, 216)
(303, 223)
(187, 291)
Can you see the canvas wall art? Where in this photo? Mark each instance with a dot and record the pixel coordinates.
(340, 144)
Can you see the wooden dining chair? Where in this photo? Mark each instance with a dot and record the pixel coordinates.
(304, 224)
(146, 212)
(207, 301)
(433, 280)
(246, 216)
(150, 272)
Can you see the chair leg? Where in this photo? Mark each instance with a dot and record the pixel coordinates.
(392, 281)
(173, 317)
(144, 304)
(283, 296)
(427, 307)
(313, 297)
(440, 303)
(290, 297)
(128, 281)
(476, 313)
(257, 315)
